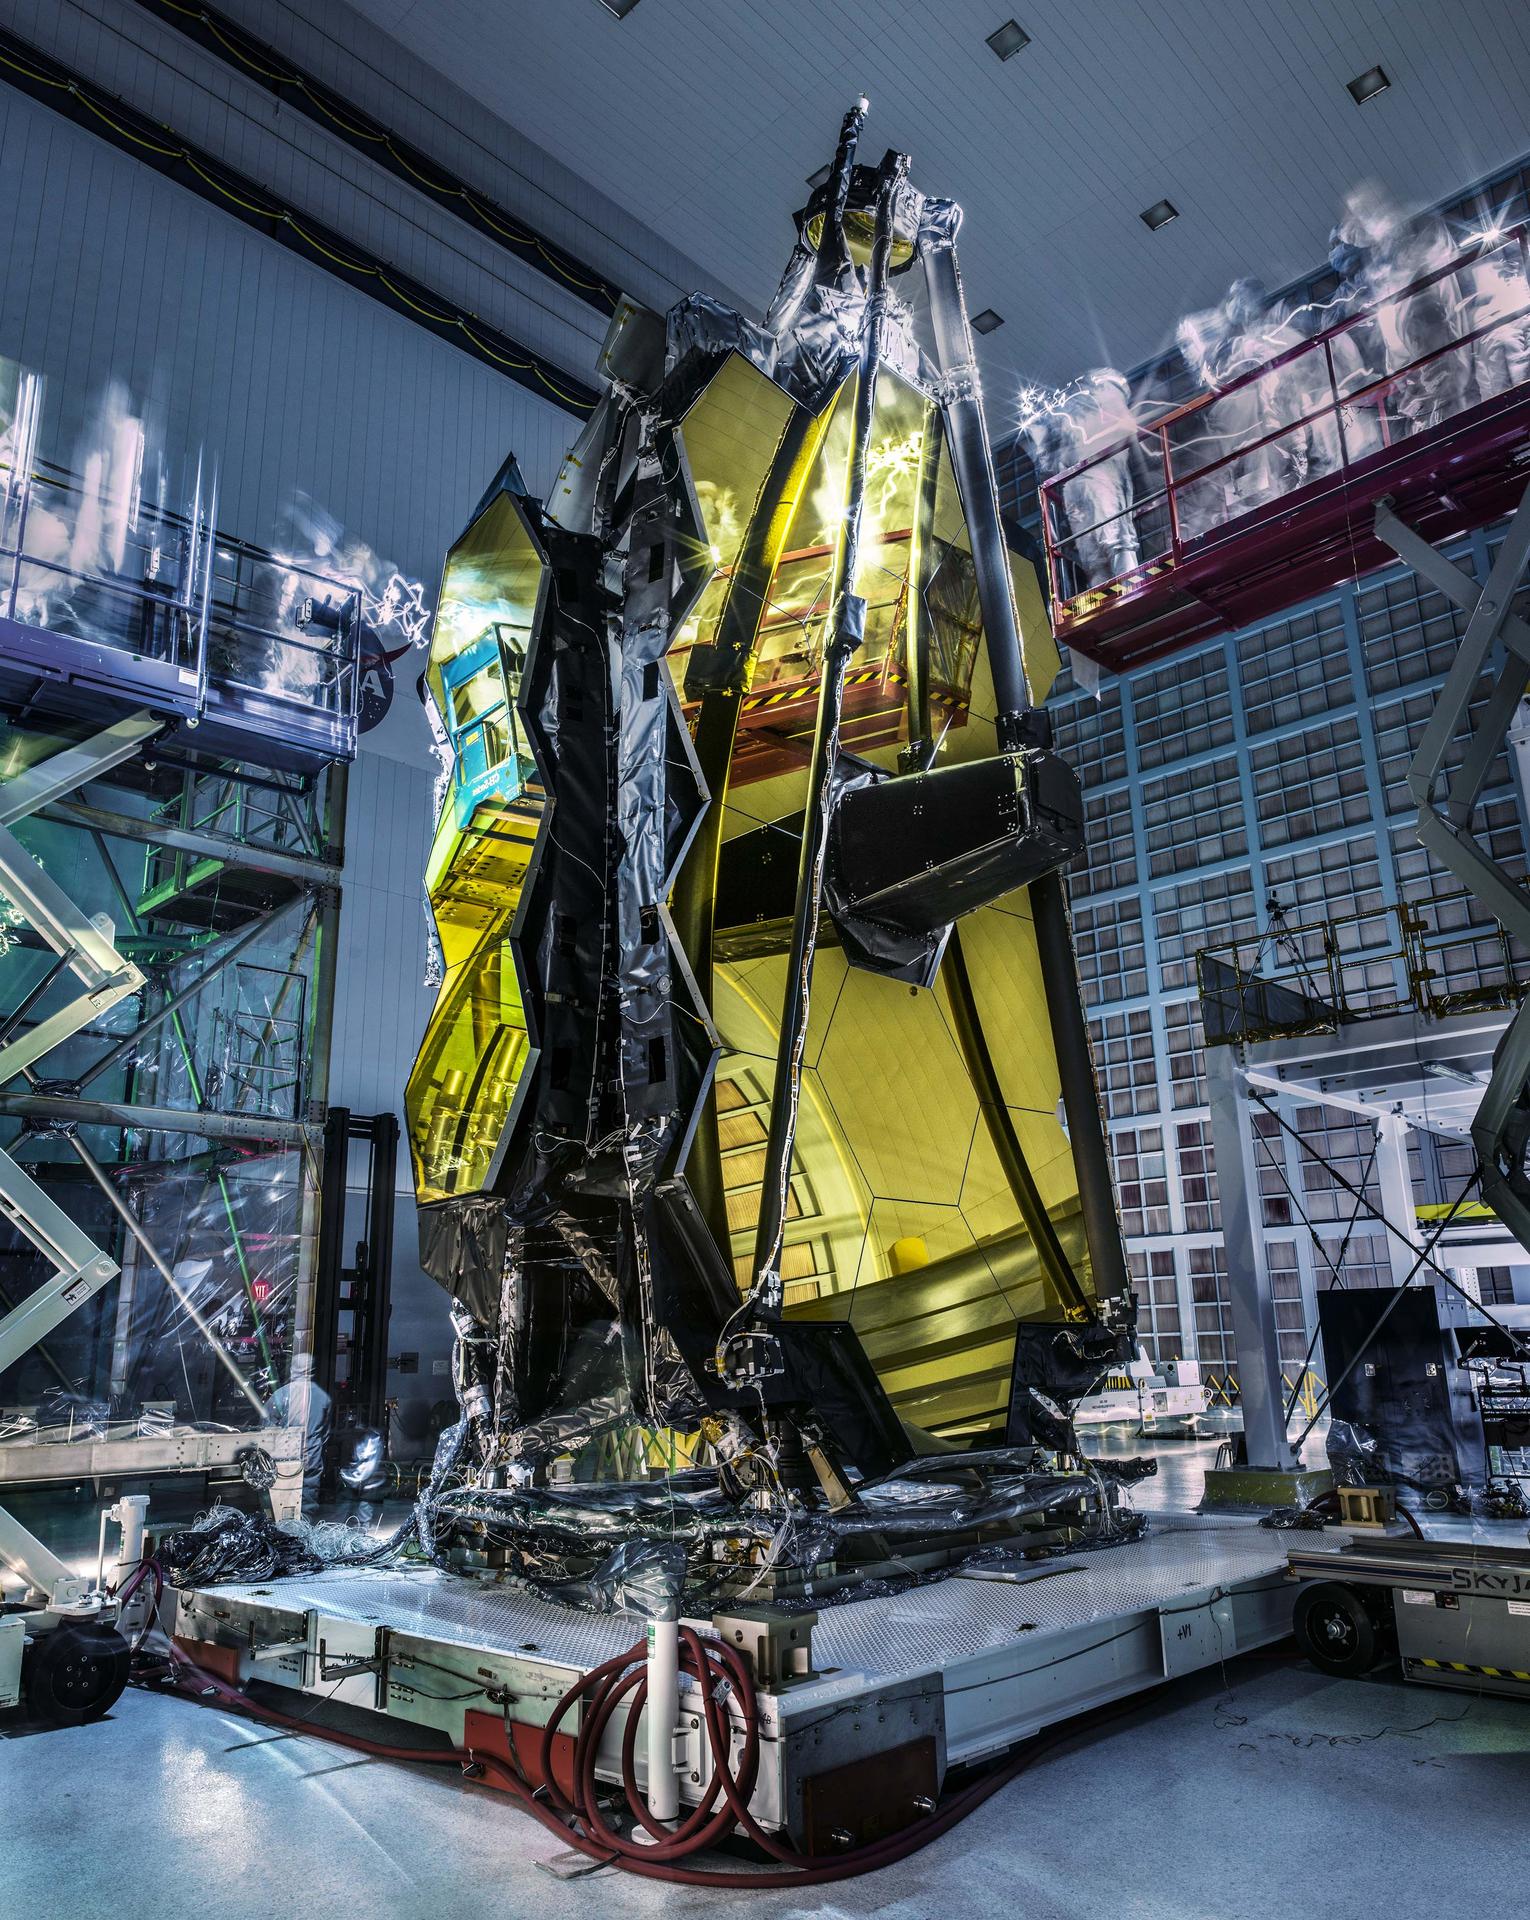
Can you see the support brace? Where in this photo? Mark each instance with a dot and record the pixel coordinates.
(81, 1268)
(1501, 1131)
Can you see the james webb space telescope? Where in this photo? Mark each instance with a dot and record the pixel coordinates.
(707, 970)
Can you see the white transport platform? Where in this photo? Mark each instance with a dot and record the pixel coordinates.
(972, 1663)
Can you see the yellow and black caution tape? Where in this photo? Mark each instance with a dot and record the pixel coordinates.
(799, 690)
(486, 343)
(1462, 1210)
(1461, 1666)
(588, 284)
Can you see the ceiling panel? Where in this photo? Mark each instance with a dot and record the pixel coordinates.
(703, 117)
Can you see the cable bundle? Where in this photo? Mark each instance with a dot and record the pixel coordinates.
(228, 1545)
(580, 1822)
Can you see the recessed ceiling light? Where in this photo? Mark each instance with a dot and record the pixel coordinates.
(987, 321)
(1365, 86)
(1009, 39)
(621, 8)
(1158, 215)
(820, 179)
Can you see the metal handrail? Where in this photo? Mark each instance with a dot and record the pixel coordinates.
(1313, 957)
(206, 600)
(1159, 434)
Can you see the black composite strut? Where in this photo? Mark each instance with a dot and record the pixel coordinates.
(846, 630)
(967, 437)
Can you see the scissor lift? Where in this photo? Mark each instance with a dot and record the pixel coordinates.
(254, 657)
(1229, 529)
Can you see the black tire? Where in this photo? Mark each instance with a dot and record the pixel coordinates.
(1334, 1629)
(75, 1674)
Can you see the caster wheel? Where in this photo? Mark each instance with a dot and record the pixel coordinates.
(74, 1674)
(1335, 1631)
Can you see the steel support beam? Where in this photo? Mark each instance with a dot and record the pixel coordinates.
(210, 846)
(120, 1454)
(61, 773)
(1397, 1205)
(1519, 756)
(1250, 1296)
(326, 928)
(1500, 1133)
(122, 1113)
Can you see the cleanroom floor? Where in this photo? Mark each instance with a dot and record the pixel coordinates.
(1257, 1789)
(1261, 1790)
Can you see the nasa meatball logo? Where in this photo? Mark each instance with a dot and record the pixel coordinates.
(374, 690)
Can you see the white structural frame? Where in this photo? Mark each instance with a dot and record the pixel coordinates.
(1384, 1070)
(1396, 1053)
(88, 949)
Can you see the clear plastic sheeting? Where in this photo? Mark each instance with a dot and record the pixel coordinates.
(233, 1235)
(206, 1342)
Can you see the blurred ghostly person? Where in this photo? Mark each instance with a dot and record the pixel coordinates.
(1356, 352)
(1502, 306)
(1226, 346)
(80, 536)
(304, 1403)
(1414, 323)
(1094, 418)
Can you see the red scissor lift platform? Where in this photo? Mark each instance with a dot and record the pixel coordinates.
(1229, 529)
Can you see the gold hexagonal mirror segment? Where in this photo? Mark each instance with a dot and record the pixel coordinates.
(461, 1095)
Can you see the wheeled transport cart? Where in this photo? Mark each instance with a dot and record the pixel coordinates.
(1455, 1613)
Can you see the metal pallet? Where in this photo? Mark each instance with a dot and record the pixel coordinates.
(976, 1661)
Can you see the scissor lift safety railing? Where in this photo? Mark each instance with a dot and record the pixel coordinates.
(134, 634)
(1438, 956)
(255, 654)
(1229, 525)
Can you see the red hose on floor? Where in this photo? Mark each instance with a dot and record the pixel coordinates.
(579, 1822)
